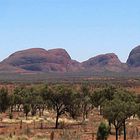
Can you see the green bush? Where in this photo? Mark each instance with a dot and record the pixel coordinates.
(103, 131)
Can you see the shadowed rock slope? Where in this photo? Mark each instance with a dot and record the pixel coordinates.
(134, 57)
(133, 60)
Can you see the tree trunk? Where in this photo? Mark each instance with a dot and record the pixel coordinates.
(116, 133)
(11, 109)
(43, 108)
(26, 115)
(124, 130)
(40, 112)
(109, 123)
(84, 114)
(56, 124)
(100, 109)
(84, 117)
(18, 108)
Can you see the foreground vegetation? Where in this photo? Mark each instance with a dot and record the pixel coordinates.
(114, 104)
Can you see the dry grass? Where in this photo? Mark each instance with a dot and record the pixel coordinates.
(71, 130)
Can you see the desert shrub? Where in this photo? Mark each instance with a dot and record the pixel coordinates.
(10, 116)
(61, 124)
(103, 131)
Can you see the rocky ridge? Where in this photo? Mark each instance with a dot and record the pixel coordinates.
(58, 60)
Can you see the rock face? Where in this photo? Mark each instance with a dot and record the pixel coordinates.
(41, 60)
(58, 60)
(134, 58)
(109, 62)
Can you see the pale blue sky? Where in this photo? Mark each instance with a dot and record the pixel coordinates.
(85, 28)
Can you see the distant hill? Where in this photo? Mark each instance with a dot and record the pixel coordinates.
(105, 62)
(38, 60)
(133, 60)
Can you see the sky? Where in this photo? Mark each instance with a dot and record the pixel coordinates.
(85, 28)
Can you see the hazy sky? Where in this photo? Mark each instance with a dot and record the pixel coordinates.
(84, 28)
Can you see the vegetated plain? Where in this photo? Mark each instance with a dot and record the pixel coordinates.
(29, 112)
(48, 95)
